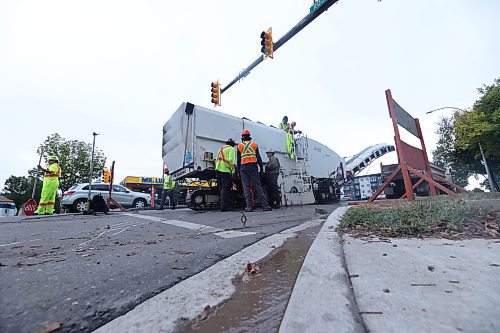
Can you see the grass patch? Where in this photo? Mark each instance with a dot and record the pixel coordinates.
(439, 216)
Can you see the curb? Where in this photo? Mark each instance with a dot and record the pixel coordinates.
(211, 286)
(322, 298)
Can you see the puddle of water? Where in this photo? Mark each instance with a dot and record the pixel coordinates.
(259, 303)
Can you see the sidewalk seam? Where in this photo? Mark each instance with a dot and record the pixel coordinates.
(355, 308)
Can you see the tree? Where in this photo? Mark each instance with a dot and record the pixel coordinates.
(74, 159)
(444, 154)
(481, 125)
(460, 136)
(19, 189)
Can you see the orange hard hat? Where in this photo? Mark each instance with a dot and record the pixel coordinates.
(245, 132)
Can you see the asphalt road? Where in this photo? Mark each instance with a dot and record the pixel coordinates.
(84, 271)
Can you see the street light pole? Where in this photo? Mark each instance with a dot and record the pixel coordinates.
(446, 107)
(91, 171)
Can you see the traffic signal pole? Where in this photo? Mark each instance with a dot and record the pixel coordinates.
(323, 5)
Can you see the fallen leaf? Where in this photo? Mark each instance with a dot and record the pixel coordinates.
(131, 253)
(49, 327)
(209, 257)
(252, 268)
(495, 265)
(454, 281)
(431, 268)
(206, 311)
(387, 290)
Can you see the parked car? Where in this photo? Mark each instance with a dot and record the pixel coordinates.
(76, 197)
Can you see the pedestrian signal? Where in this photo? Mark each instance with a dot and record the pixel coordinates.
(215, 88)
(106, 175)
(267, 43)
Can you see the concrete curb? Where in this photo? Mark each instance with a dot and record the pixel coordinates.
(322, 299)
(186, 300)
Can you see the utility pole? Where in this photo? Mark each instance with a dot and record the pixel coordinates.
(493, 185)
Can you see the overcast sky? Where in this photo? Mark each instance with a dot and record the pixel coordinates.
(121, 68)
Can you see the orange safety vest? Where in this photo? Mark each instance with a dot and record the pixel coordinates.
(56, 175)
(247, 151)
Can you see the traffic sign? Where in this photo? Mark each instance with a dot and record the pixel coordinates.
(30, 207)
(316, 5)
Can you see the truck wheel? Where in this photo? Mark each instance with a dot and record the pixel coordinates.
(79, 206)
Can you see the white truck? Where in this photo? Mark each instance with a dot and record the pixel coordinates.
(194, 134)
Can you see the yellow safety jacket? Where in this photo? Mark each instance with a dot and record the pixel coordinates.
(226, 159)
(168, 183)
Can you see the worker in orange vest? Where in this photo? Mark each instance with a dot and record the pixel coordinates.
(249, 161)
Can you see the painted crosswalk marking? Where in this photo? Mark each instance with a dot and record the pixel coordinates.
(200, 228)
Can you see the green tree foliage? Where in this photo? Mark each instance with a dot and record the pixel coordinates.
(444, 154)
(460, 135)
(19, 189)
(481, 125)
(74, 159)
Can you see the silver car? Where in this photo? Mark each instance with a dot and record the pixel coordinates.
(76, 197)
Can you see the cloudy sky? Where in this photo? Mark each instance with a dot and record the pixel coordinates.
(121, 68)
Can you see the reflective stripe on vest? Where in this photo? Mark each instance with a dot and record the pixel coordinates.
(221, 157)
(56, 175)
(168, 184)
(247, 152)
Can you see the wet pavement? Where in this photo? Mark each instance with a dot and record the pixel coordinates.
(83, 271)
(260, 299)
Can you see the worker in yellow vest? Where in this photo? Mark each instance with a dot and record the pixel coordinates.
(168, 189)
(248, 160)
(50, 184)
(225, 164)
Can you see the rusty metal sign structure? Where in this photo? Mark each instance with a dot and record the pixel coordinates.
(412, 160)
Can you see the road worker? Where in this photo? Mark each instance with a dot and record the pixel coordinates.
(284, 125)
(249, 162)
(168, 189)
(272, 172)
(225, 163)
(50, 184)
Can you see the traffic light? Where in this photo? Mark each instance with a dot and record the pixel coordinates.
(106, 175)
(215, 93)
(267, 43)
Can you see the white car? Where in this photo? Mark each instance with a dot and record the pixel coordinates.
(76, 197)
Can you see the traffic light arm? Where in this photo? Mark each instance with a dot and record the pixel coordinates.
(286, 37)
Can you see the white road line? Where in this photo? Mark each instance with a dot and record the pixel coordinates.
(200, 228)
(188, 298)
(9, 244)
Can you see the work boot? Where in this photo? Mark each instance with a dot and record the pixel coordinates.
(248, 209)
(266, 209)
(173, 207)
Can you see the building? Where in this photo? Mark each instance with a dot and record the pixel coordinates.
(7, 207)
(362, 187)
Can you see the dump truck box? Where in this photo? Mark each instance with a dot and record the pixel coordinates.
(194, 134)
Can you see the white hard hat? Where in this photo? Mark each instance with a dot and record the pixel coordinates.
(270, 150)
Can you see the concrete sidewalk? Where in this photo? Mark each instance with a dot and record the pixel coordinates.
(399, 285)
